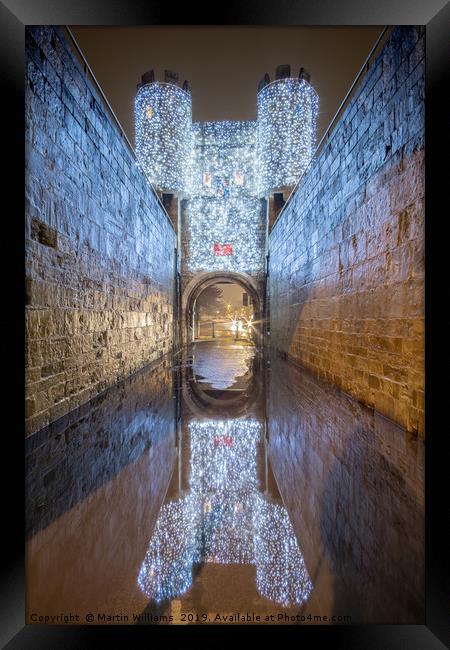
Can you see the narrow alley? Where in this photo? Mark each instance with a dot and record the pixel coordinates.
(225, 328)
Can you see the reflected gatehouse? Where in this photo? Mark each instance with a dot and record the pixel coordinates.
(221, 486)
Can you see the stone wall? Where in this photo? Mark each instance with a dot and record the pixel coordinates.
(99, 247)
(347, 253)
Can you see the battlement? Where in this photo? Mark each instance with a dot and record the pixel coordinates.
(170, 77)
(283, 71)
(281, 140)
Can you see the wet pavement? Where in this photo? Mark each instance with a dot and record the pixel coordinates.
(221, 487)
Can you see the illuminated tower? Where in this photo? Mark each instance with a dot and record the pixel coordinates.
(163, 127)
(286, 130)
(223, 183)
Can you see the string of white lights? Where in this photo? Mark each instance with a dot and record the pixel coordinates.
(224, 518)
(285, 133)
(163, 130)
(281, 574)
(225, 170)
(222, 209)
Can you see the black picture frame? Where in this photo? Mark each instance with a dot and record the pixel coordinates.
(15, 14)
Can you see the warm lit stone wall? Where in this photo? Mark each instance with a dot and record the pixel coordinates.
(99, 248)
(347, 254)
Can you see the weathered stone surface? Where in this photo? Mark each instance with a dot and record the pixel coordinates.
(346, 279)
(99, 248)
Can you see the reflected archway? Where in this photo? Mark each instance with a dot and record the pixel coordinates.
(237, 393)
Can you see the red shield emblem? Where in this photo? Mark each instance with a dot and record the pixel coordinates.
(223, 249)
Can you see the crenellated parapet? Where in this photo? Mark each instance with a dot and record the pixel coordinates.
(284, 133)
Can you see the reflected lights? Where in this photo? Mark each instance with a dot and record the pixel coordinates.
(224, 518)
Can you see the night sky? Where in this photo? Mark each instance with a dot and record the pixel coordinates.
(224, 64)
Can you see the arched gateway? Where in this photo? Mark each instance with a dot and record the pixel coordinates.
(223, 183)
(201, 281)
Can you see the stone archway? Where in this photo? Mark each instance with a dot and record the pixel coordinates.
(203, 280)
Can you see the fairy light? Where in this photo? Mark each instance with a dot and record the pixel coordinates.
(163, 124)
(224, 518)
(281, 574)
(167, 568)
(286, 132)
(222, 206)
(225, 170)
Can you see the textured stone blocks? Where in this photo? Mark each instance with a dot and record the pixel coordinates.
(99, 254)
(346, 258)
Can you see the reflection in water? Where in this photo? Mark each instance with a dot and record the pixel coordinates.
(225, 519)
(359, 479)
(221, 371)
(71, 458)
(274, 494)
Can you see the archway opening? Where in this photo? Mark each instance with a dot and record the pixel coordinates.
(225, 311)
(223, 307)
